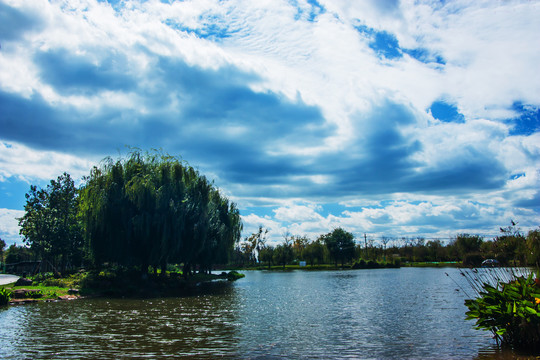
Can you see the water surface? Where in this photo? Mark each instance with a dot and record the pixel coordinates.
(357, 314)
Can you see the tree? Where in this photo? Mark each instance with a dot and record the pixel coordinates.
(283, 253)
(299, 243)
(2, 246)
(340, 244)
(266, 255)
(435, 250)
(468, 244)
(154, 209)
(224, 228)
(407, 247)
(533, 245)
(314, 251)
(385, 240)
(50, 225)
(510, 245)
(15, 254)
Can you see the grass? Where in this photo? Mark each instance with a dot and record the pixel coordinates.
(298, 267)
(432, 264)
(118, 284)
(291, 267)
(49, 292)
(49, 287)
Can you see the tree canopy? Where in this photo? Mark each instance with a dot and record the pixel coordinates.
(154, 209)
(340, 244)
(50, 225)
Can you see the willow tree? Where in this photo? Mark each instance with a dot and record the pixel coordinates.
(224, 229)
(154, 209)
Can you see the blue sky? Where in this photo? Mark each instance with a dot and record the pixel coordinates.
(390, 118)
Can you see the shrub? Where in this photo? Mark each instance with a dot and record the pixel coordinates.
(33, 294)
(359, 265)
(5, 296)
(371, 264)
(54, 282)
(42, 277)
(511, 311)
(234, 275)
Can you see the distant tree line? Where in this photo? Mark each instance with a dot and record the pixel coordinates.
(511, 248)
(146, 210)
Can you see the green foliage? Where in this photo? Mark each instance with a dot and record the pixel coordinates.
(54, 282)
(340, 244)
(510, 311)
(474, 260)
(49, 279)
(2, 246)
(15, 254)
(38, 278)
(117, 281)
(468, 244)
(370, 264)
(299, 244)
(283, 253)
(510, 246)
(234, 275)
(266, 255)
(533, 245)
(314, 251)
(5, 296)
(33, 294)
(50, 225)
(153, 209)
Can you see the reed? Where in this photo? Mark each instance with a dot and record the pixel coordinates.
(506, 301)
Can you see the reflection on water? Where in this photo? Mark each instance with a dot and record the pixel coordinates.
(379, 314)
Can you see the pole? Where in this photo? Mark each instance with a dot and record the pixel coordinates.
(365, 247)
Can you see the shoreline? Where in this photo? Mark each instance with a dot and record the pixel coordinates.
(114, 285)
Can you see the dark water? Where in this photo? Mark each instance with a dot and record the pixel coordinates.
(358, 314)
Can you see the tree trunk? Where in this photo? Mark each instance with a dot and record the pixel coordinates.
(163, 268)
(186, 270)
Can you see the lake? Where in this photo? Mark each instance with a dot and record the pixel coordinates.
(350, 314)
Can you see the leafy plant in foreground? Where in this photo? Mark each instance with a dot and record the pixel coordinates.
(5, 296)
(511, 311)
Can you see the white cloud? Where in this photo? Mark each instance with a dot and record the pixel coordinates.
(9, 225)
(29, 165)
(296, 213)
(483, 43)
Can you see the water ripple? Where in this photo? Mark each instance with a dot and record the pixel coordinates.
(379, 314)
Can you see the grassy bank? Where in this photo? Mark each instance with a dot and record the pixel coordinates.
(119, 283)
(44, 292)
(433, 264)
(44, 287)
(357, 265)
(316, 267)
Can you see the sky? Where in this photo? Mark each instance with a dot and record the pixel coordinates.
(386, 118)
